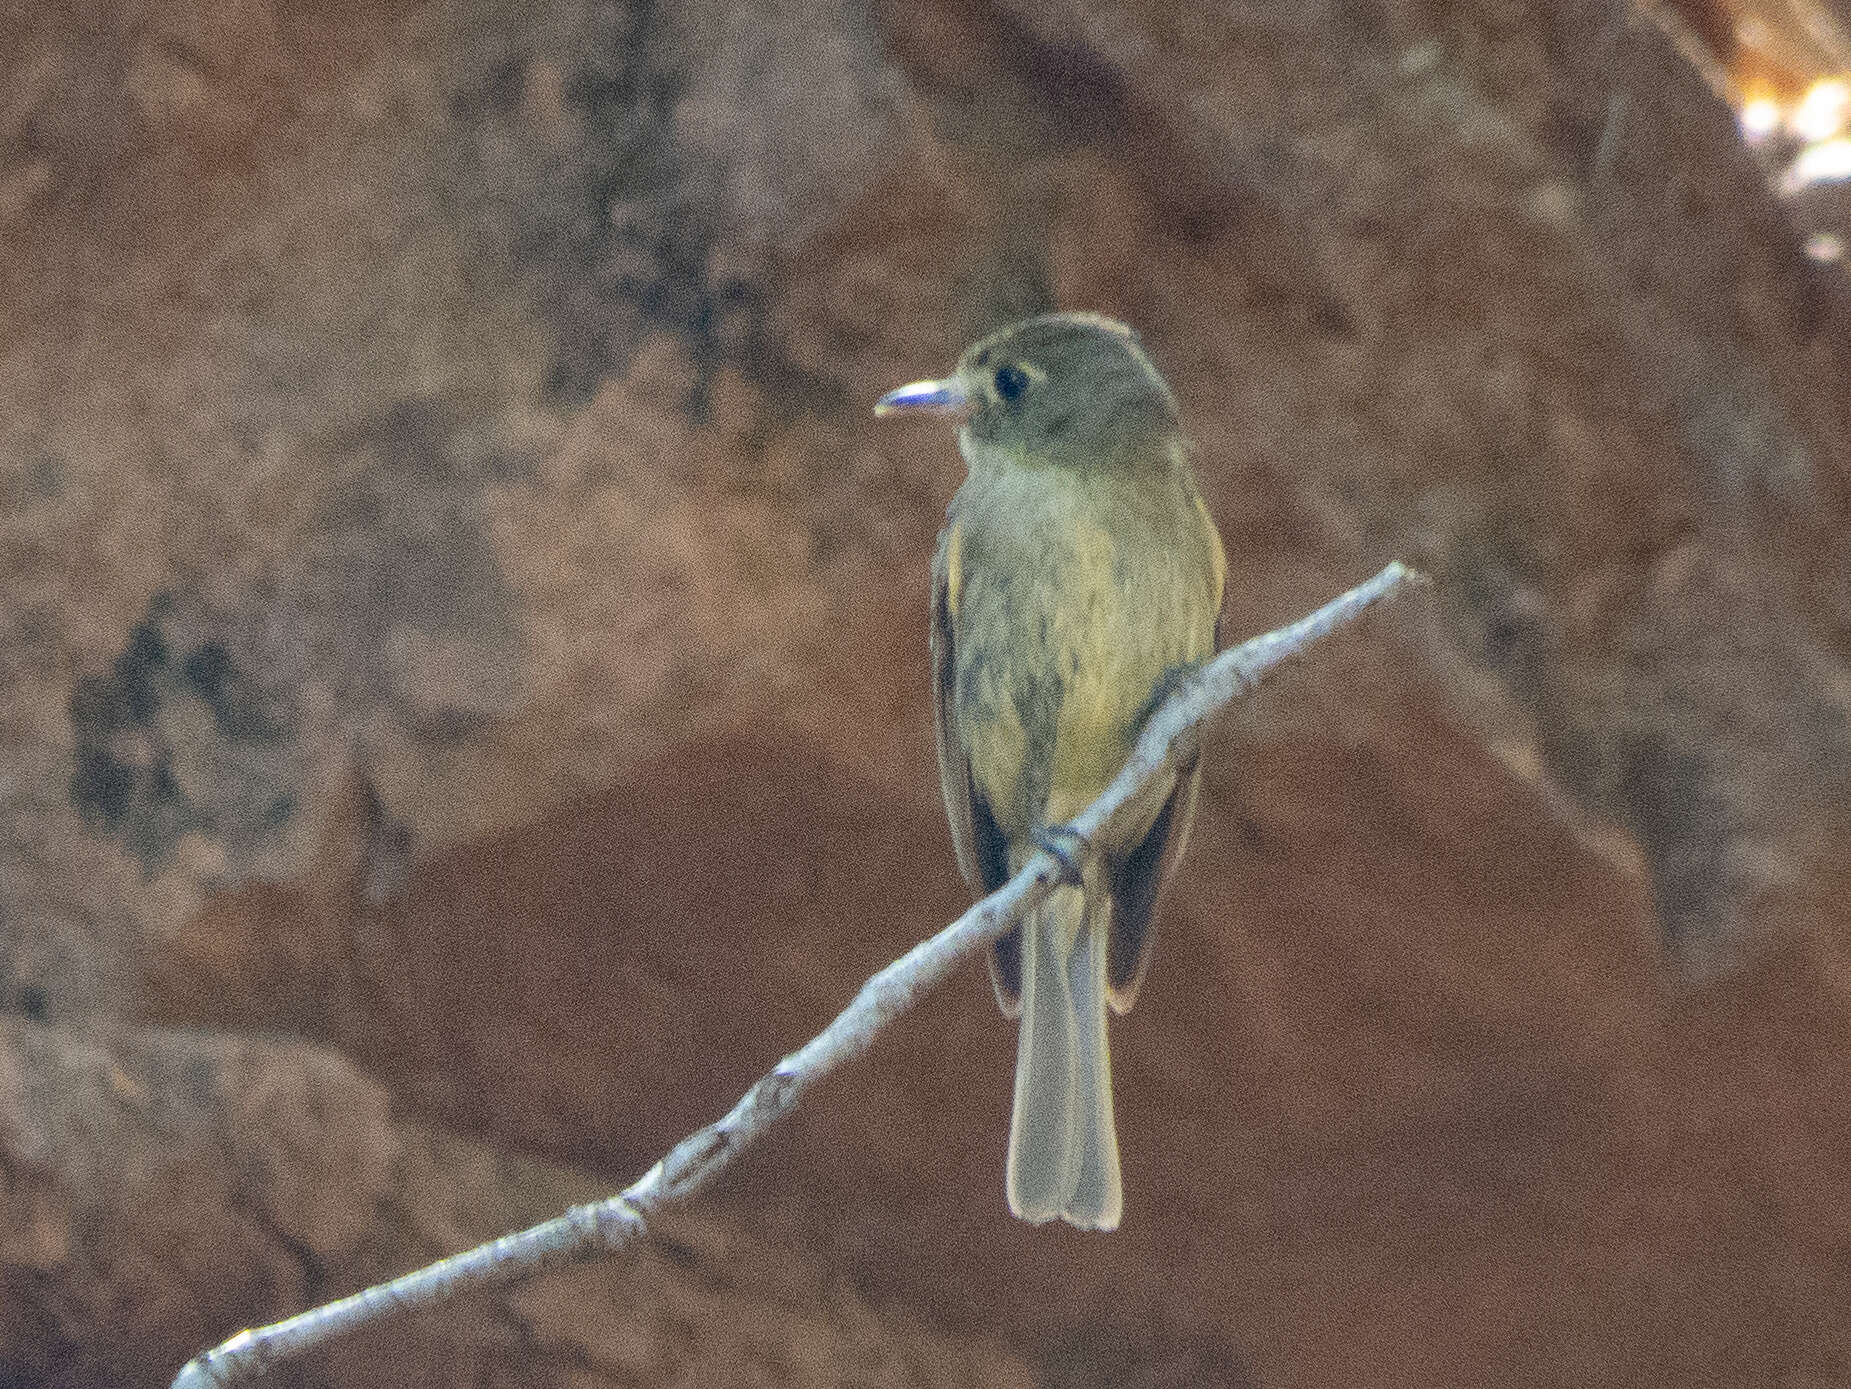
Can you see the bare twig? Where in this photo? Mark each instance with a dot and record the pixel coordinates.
(603, 1227)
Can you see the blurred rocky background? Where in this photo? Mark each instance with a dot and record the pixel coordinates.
(463, 704)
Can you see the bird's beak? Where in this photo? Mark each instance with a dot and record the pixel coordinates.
(926, 398)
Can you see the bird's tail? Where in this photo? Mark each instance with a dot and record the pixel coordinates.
(1063, 1150)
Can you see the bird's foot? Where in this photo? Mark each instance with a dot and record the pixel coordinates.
(1069, 847)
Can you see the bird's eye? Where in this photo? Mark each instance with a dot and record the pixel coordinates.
(1011, 381)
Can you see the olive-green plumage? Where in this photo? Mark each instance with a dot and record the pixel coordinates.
(1077, 573)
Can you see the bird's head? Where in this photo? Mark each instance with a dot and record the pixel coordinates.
(1064, 388)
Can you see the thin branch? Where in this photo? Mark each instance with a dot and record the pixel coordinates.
(604, 1227)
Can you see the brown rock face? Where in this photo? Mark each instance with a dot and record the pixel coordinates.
(463, 702)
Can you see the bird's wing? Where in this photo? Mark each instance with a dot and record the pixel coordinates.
(983, 855)
(1137, 880)
(1218, 578)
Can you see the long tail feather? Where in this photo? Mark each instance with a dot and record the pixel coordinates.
(1041, 1151)
(1063, 1151)
(1098, 1197)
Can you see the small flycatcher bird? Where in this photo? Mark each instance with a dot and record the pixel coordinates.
(1077, 575)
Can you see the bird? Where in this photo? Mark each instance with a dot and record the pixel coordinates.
(1077, 578)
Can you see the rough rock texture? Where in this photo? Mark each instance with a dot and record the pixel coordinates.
(458, 613)
(162, 1184)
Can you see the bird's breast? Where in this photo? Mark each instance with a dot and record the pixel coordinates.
(1070, 614)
